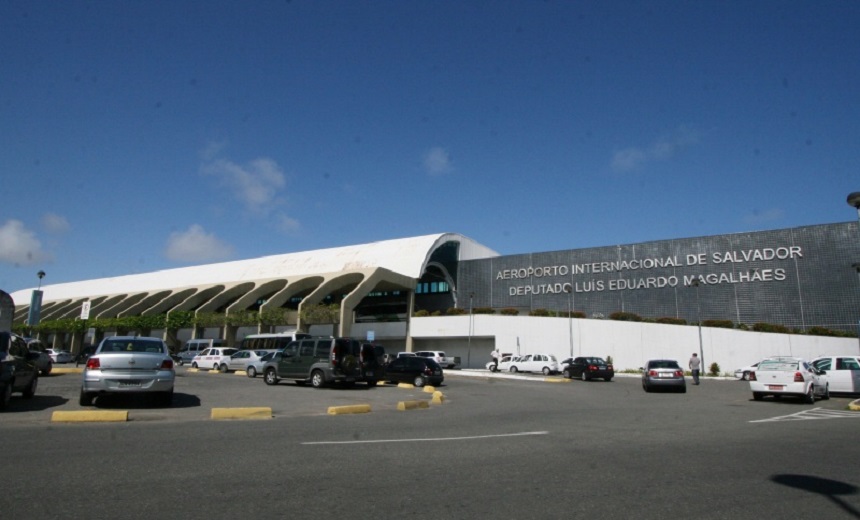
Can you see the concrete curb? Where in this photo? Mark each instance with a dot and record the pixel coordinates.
(55, 370)
(349, 409)
(438, 398)
(94, 416)
(260, 412)
(412, 405)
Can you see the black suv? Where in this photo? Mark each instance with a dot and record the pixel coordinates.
(18, 371)
(322, 361)
(417, 370)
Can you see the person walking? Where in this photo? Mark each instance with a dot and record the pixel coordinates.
(496, 358)
(695, 366)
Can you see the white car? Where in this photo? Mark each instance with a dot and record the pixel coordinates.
(213, 358)
(743, 373)
(546, 363)
(504, 364)
(439, 357)
(789, 376)
(60, 356)
(843, 372)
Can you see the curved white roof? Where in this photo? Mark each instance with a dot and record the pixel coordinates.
(406, 256)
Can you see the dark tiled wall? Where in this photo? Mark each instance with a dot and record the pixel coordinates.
(812, 285)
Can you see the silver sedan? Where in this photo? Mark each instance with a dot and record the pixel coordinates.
(129, 365)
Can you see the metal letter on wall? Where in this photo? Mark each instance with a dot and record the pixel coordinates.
(7, 310)
(35, 309)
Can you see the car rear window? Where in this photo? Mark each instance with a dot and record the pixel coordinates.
(778, 365)
(663, 364)
(131, 345)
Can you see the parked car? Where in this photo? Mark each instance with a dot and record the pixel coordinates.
(215, 358)
(44, 362)
(663, 373)
(503, 364)
(743, 373)
(251, 361)
(417, 370)
(546, 363)
(588, 368)
(323, 361)
(193, 347)
(129, 365)
(439, 357)
(18, 371)
(60, 356)
(788, 376)
(843, 372)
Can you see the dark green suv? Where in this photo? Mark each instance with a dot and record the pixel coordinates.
(323, 361)
(18, 371)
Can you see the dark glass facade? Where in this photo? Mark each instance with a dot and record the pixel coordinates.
(798, 277)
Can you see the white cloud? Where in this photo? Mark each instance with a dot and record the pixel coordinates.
(195, 245)
(19, 245)
(256, 184)
(56, 224)
(288, 224)
(663, 149)
(437, 161)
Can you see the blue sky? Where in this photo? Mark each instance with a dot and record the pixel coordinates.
(145, 135)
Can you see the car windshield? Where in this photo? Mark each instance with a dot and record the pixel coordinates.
(131, 345)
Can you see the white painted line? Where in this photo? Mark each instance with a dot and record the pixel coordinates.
(437, 439)
(811, 415)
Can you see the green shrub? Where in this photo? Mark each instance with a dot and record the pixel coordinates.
(714, 369)
(422, 313)
(436, 313)
(539, 312)
(770, 327)
(483, 310)
(672, 321)
(455, 311)
(624, 316)
(719, 324)
(574, 314)
(509, 311)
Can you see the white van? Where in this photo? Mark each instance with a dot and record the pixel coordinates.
(274, 341)
(196, 346)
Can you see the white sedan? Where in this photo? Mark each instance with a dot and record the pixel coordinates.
(546, 363)
(843, 372)
(213, 358)
(743, 373)
(60, 356)
(788, 376)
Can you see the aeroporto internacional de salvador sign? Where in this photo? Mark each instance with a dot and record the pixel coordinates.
(634, 274)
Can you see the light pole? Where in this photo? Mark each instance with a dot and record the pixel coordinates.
(569, 290)
(40, 274)
(469, 342)
(695, 283)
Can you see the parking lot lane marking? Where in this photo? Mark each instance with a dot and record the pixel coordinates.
(430, 439)
(261, 412)
(90, 416)
(557, 380)
(353, 408)
(412, 405)
(812, 415)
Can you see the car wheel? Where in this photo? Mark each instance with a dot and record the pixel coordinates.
(566, 374)
(608, 379)
(48, 369)
(270, 377)
(826, 392)
(418, 382)
(194, 365)
(746, 376)
(683, 389)
(317, 379)
(31, 389)
(223, 369)
(86, 399)
(546, 371)
(584, 376)
(494, 368)
(758, 396)
(514, 370)
(6, 395)
(215, 366)
(646, 387)
(180, 362)
(251, 371)
(371, 383)
(810, 395)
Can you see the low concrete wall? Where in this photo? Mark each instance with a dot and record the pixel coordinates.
(629, 343)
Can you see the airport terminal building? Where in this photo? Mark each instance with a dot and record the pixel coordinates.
(800, 278)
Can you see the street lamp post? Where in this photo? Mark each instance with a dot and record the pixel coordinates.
(469, 342)
(695, 283)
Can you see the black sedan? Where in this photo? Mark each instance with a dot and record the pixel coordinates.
(588, 368)
(419, 371)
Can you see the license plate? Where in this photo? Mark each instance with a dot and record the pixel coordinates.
(663, 374)
(775, 387)
(129, 383)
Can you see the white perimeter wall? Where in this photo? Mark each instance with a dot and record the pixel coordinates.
(629, 343)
